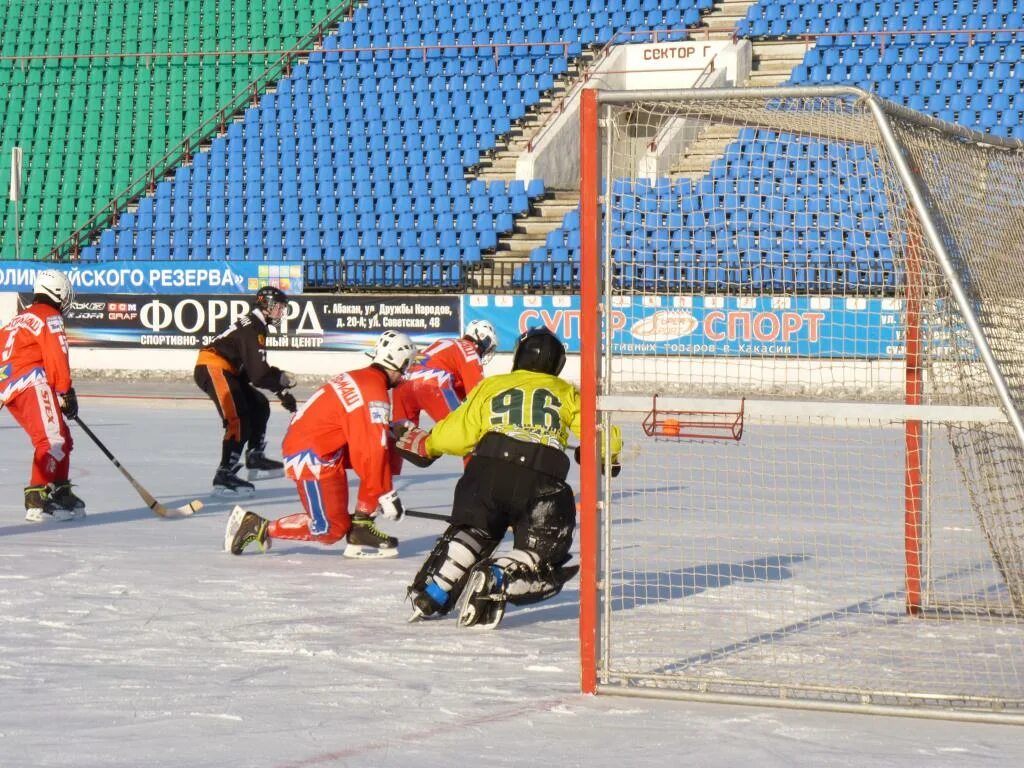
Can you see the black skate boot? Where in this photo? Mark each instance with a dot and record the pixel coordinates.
(227, 483)
(260, 467)
(39, 508)
(366, 540)
(243, 529)
(62, 496)
(483, 602)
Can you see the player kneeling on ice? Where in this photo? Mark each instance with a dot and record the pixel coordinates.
(344, 425)
(517, 426)
(229, 370)
(35, 386)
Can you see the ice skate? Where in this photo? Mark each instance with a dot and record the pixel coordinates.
(366, 540)
(226, 483)
(39, 508)
(261, 468)
(62, 496)
(425, 602)
(243, 529)
(483, 602)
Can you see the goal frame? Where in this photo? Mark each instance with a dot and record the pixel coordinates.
(595, 296)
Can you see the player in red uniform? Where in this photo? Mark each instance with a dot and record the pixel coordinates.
(443, 375)
(345, 424)
(35, 386)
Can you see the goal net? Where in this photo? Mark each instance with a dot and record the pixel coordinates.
(804, 311)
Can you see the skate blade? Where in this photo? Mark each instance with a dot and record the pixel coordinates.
(473, 604)
(228, 493)
(358, 552)
(416, 616)
(58, 516)
(471, 613)
(234, 523)
(265, 474)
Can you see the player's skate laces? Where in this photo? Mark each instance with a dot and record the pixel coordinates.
(365, 539)
(62, 496)
(243, 529)
(483, 602)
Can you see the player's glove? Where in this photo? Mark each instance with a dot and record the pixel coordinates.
(616, 466)
(287, 399)
(389, 506)
(287, 380)
(411, 444)
(68, 403)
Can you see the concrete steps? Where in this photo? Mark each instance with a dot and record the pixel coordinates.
(771, 65)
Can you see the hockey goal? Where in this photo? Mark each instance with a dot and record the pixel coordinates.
(813, 347)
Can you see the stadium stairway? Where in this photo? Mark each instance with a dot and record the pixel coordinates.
(772, 64)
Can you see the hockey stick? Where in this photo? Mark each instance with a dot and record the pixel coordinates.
(427, 515)
(153, 504)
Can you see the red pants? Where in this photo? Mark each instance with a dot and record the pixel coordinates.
(325, 499)
(36, 410)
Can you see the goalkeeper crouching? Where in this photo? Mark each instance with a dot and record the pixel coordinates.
(515, 427)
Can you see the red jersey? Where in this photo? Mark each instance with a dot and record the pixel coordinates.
(34, 350)
(345, 423)
(456, 357)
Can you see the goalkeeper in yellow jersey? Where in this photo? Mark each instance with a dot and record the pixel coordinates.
(515, 427)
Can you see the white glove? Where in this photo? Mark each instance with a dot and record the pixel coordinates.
(389, 506)
(287, 380)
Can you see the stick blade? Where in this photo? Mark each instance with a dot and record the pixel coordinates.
(186, 510)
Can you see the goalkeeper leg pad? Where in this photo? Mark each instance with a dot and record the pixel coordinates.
(446, 569)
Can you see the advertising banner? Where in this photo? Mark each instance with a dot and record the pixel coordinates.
(336, 323)
(738, 326)
(160, 277)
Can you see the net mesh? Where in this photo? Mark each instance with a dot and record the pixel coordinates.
(788, 264)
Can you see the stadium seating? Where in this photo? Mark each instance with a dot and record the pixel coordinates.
(88, 126)
(359, 164)
(362, 153)
(972, 79)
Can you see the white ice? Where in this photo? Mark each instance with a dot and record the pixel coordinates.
(127, 640)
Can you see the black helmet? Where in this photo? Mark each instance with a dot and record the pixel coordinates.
(538, 349)
(269, 297)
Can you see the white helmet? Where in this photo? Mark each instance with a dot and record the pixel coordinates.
(394, 351)
(482, 333)
(55, 285)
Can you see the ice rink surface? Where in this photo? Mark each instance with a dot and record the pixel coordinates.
(127, 640)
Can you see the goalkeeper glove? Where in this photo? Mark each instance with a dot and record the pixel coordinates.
(616, 466)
